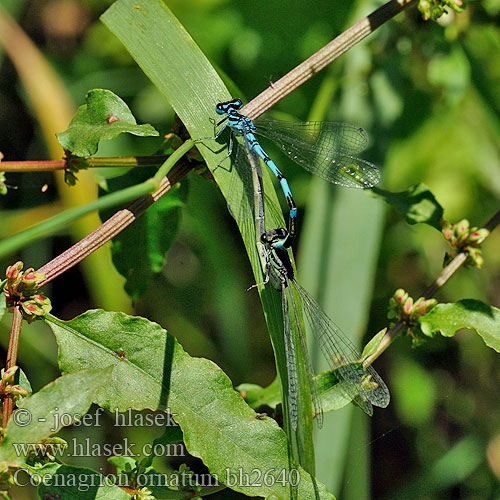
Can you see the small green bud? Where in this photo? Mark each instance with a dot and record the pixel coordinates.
(16, 391)
(423, 306)
(8, 375)
(447, 233)
(463, 226)
(13, 271)
(400, 295)
(408, 306)
(478, 235)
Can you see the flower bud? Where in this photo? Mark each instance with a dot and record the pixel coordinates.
(16, 390)
(400, 295)
(408, 306)
(478, 235)
(8, 374)
(13, 271)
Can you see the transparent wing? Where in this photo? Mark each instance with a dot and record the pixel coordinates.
(291, 362)
(258, 193)
(240, 196)
(344, 358)
(241, 203)
(325, 149)
(307, 360)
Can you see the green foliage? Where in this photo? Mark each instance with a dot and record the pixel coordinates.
(22, 380)
(417, 204)
(427, 93)
(189, 82)
(469, 314)
(3, 185)
(104, 117)
(257, 396)
(195, 391)
(3, 307)
(434, 9)
(68, 482)
(373, 345)
(333, 396)
(62, 402)
(140, 250)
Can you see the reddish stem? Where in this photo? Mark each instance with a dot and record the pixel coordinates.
(112, 161)
(15, 331)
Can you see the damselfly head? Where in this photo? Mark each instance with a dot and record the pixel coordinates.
(274, 235)
(228, 106)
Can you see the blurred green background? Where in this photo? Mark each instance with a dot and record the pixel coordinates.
(429, 96)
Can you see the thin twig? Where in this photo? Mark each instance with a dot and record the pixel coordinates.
(338, 46)
(15, 331)
(440, 281)
(111, 161)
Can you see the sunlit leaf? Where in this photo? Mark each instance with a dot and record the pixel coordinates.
(24, 383)
(372, 346)
(333, 396)
(257, 396)
(417, 204)
(63, 401)
(152, 371)
(469, 314)
(104, 117)
(3, 307)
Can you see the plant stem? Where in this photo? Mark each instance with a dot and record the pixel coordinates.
(15, 330)
(440, 281)
(338, 46)
(173, 159)
(32, 165)
(112, 161)
(60, 220)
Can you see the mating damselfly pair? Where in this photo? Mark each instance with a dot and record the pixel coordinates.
(326, 149)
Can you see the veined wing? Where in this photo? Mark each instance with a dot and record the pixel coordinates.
(325, 149)
(316, 403)
(291, 362)
(241, 202)
(240, 196)
(344, 358)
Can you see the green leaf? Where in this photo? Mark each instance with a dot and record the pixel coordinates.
(123, 463)
(417, 204)
(139, 251)
(153, 371)
(3, 307)
(104, 117)
(448, 319)
(70, 483)
(192, 87)
(333, 396)
(43, 414)
(372, 346)
(257, 396)
(22, 380)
